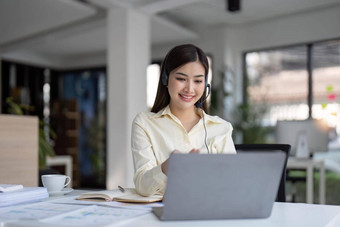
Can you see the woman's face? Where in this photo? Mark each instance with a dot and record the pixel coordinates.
(186, 85)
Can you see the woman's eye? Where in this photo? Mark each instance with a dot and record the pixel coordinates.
(180, 79)
(199, 81)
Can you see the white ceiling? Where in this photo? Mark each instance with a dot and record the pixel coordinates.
(70, 27)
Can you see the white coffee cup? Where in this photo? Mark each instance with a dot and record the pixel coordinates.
(55, 182)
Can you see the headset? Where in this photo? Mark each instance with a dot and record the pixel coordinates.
(165, 79)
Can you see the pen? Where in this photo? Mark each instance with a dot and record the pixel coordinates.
(121, 188)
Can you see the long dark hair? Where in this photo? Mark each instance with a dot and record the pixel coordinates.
(176, 57)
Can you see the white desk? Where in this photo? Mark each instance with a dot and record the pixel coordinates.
(309, 165)
(283, 215)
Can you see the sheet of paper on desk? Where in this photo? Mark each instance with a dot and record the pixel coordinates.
(35, 211)
(94, 215)
(134, 206)
(335, 222)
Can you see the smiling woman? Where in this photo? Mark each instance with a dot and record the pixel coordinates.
(178, 121)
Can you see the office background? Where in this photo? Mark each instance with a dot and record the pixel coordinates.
(91, 57)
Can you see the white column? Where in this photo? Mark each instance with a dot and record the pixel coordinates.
(128, 56)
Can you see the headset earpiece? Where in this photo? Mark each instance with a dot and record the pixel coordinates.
(200, 102)
(164, 74)
(164, 78)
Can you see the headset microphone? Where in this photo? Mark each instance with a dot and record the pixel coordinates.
(199, 103)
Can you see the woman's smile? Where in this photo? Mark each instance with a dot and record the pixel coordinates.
(187, 98)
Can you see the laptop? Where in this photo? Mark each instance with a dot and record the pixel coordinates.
(221, 186)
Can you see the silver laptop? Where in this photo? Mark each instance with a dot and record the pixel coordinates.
(221, 186)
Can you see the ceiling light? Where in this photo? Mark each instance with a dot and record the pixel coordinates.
(233, 5)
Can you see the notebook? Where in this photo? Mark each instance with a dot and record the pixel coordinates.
(221, 186)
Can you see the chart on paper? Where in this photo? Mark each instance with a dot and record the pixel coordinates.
(94, 215)
(35, 211)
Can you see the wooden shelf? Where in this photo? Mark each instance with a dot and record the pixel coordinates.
(72, 133)
(66, 119)
(72, 115)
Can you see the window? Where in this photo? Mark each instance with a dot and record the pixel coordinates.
(326, 82)
(153, 72)
(278, 82)
(296, 83)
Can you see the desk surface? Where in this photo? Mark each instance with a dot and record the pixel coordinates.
(283, 215)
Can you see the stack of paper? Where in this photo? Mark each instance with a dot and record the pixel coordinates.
(25, 195)
(10, 187)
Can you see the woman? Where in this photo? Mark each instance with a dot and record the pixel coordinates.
(178, 121)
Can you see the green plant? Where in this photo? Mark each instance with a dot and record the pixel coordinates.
(246, 118)
(45, 147)
(96, 142)
(332, 187)
(221, 91)
(247, 122)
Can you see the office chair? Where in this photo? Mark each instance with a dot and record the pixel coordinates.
(281, 194)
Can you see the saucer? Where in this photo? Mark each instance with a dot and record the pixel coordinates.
(62, 192)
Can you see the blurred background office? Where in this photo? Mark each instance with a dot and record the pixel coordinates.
(86, 67)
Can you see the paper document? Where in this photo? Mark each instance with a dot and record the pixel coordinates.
(94, 216)
(35, 211)
(10, 187)
(335, 222)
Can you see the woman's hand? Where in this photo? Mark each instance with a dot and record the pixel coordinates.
(194, 151)
(164, 165)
